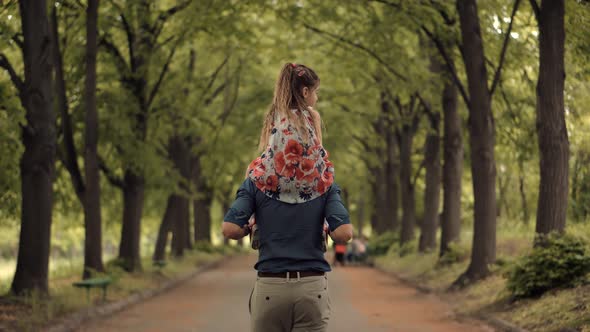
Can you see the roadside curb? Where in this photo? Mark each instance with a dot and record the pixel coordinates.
(497, 323)
(75, 320)
(494, 322)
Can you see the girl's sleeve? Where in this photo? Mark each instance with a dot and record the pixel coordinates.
(244, 205)
(335, 212)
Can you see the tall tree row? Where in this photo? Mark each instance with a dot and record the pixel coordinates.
(142, 27)
(169, 86)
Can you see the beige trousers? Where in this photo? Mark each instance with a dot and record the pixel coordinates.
(290, 305)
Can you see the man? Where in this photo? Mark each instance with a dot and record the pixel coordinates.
(291, 291)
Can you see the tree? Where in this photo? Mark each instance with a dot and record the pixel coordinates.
(39, 138)
(92, 215)
(142, 27)
(87, 187)
(442, 37)
(482, 138)
(551, 129)
(410, 118)
(385, 181)
(430, 221)
(452, 168)
(452, 156)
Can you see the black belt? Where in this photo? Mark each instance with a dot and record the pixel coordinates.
(290, 274)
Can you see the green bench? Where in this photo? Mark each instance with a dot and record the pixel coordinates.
(94, 283)
(159, 264)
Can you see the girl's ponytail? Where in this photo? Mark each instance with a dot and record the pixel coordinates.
(282, 99)
(288, 95)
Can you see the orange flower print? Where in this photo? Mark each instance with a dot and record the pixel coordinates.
(293, 151)
(289, 170)
(281, 166)
(279, 160)
(272, 183)
(257, 172)
(307, 165)
(312, 176)
(321, 187)
(328, 177)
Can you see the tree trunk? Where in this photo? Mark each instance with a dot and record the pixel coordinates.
(376, 222)
(92, 216)
(179, 243)
(407, 186)
(392, 181)
(179, 153)
(361, 211)
(521, 185)
(188, 240)
(225, 205)
(37, 162)
(551, 128)
(162, 239)
(133, 197)
(389, 179)
(432, 191)
(202, 208)
(452, 169)
(70, 155)
(202, 204)
(503, 181)
(481, 130)
(382, 199)
(385, 185)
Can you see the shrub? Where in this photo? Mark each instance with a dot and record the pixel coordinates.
(380, 244)
(456, 253)
(561, 261)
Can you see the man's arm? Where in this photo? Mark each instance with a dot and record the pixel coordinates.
(233, 231)
(235, 222)
(337, 216)
(342, 234)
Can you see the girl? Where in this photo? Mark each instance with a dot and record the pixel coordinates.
(291, 191)
(293, 167)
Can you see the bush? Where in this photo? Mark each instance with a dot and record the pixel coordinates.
(456, 253)
(561, 261)
(380, 244)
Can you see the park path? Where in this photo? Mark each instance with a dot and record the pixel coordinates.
(363, 300)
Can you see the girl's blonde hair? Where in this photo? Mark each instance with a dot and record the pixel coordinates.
(288, 95)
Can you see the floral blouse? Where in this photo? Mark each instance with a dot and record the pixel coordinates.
(290, 170)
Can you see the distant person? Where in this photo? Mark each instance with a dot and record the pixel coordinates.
(290, 189)
(339, 253)
(358, 251)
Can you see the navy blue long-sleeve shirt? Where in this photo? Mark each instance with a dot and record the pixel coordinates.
(290, 234)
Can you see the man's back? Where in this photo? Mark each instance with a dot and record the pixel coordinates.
(290, 234)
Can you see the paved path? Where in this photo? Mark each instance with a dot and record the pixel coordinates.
(363, 300)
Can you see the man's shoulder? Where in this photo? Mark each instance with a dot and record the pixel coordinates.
(248, 186)
(335, 188)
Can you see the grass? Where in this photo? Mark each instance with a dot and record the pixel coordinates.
(33, 312)
(555, 310)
